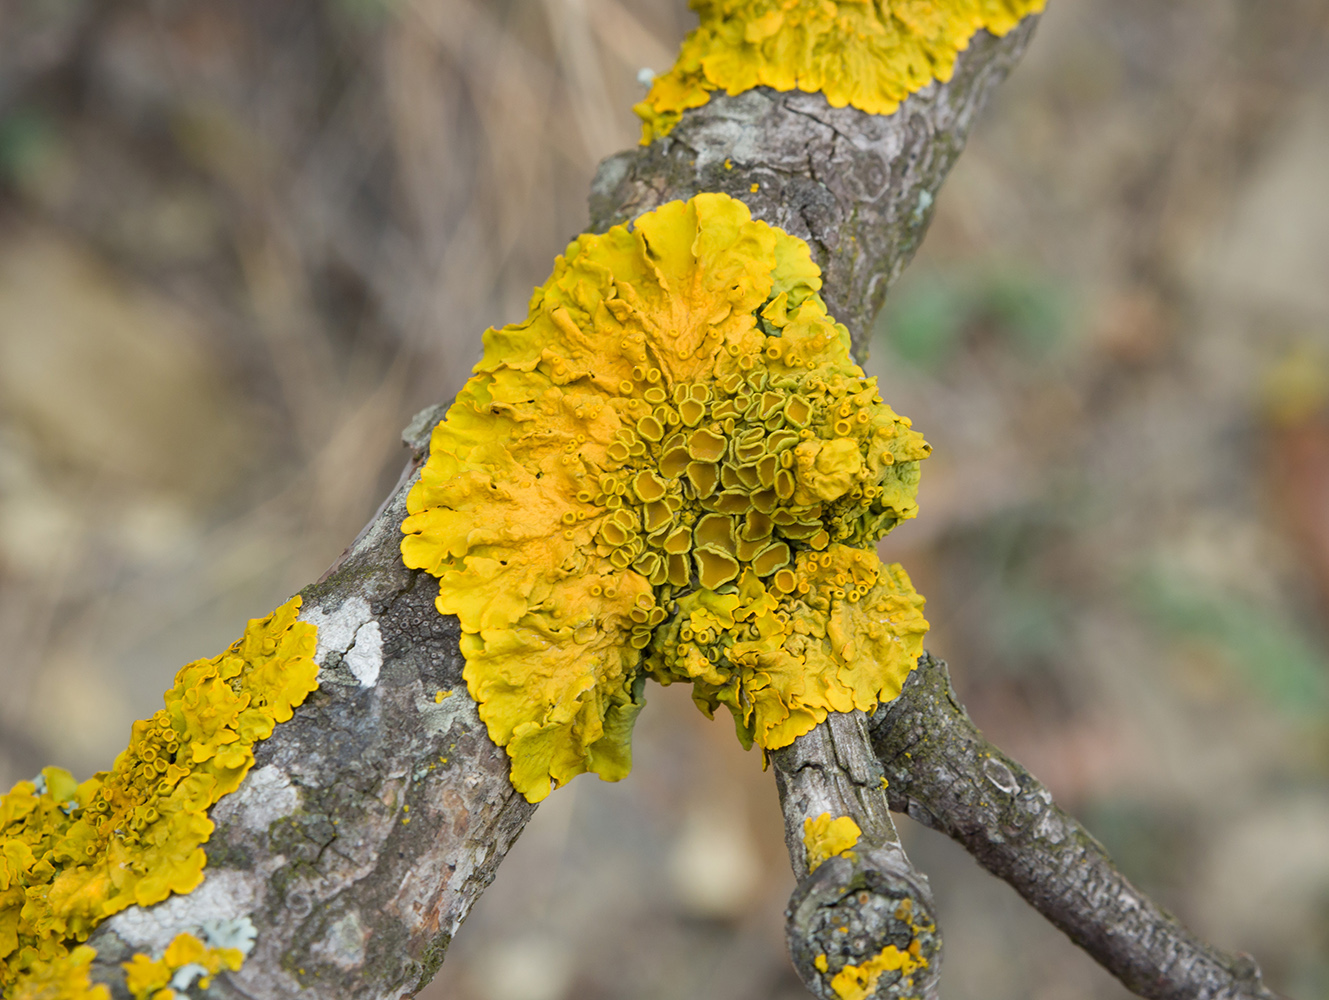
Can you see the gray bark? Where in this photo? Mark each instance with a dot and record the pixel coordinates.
(858, 188)
(944, 774)
(850, 908)
(374, 819)
(371, 821)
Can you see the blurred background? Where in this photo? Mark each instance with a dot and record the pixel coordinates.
(241, 242)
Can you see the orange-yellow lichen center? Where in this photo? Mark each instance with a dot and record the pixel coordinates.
(73, 854)
(672, 468)
(870, 54)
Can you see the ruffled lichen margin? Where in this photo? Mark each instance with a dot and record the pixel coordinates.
(868, 54)
(671, 469)
(73, 854)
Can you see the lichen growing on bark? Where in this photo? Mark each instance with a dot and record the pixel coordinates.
(870, 54)
(859, 982)
(671, 468)
(186, 960)
(73, 854)
(824, 837)
(64, 977)
(853, 975)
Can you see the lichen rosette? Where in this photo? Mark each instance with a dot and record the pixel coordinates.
(672, 468)
(870, 54)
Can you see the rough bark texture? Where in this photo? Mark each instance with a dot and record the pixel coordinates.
(850, 908)
(375, 818)
(858, 188)
(943, 773)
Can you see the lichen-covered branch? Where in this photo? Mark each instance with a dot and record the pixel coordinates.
(373, 819)
(862, 915)
(859, 188)
(943, 773)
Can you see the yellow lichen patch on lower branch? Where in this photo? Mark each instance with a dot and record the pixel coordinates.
(671, 468)
(73, 854)
(826, 838)
(858, 982)
(186, 959)
(870, 54)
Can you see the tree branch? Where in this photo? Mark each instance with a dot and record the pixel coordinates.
(859, 188)
(944, 774)
(371, 821)
(374, 819)
(851, 907)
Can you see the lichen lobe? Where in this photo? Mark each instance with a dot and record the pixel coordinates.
(672, 468)
(74, 854)
(825, 837)
(868, 54)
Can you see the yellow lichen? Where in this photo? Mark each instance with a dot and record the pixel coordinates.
(671, 468)
(858, 982)
(870, 54)
(73, 854)
(828, 838)
(64, 977)
(146, 978)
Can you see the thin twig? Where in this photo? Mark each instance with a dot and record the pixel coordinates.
(947, 776)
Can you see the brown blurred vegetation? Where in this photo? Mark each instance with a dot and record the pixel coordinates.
(242, 242)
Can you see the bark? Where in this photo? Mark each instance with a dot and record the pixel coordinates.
(374, 819)
(354, 895)
(371, 821)
(943, 773)
(850, 908)
(858, 188)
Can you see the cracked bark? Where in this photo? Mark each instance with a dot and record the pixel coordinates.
(851, 907)
(375, 818)
(944, 774)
